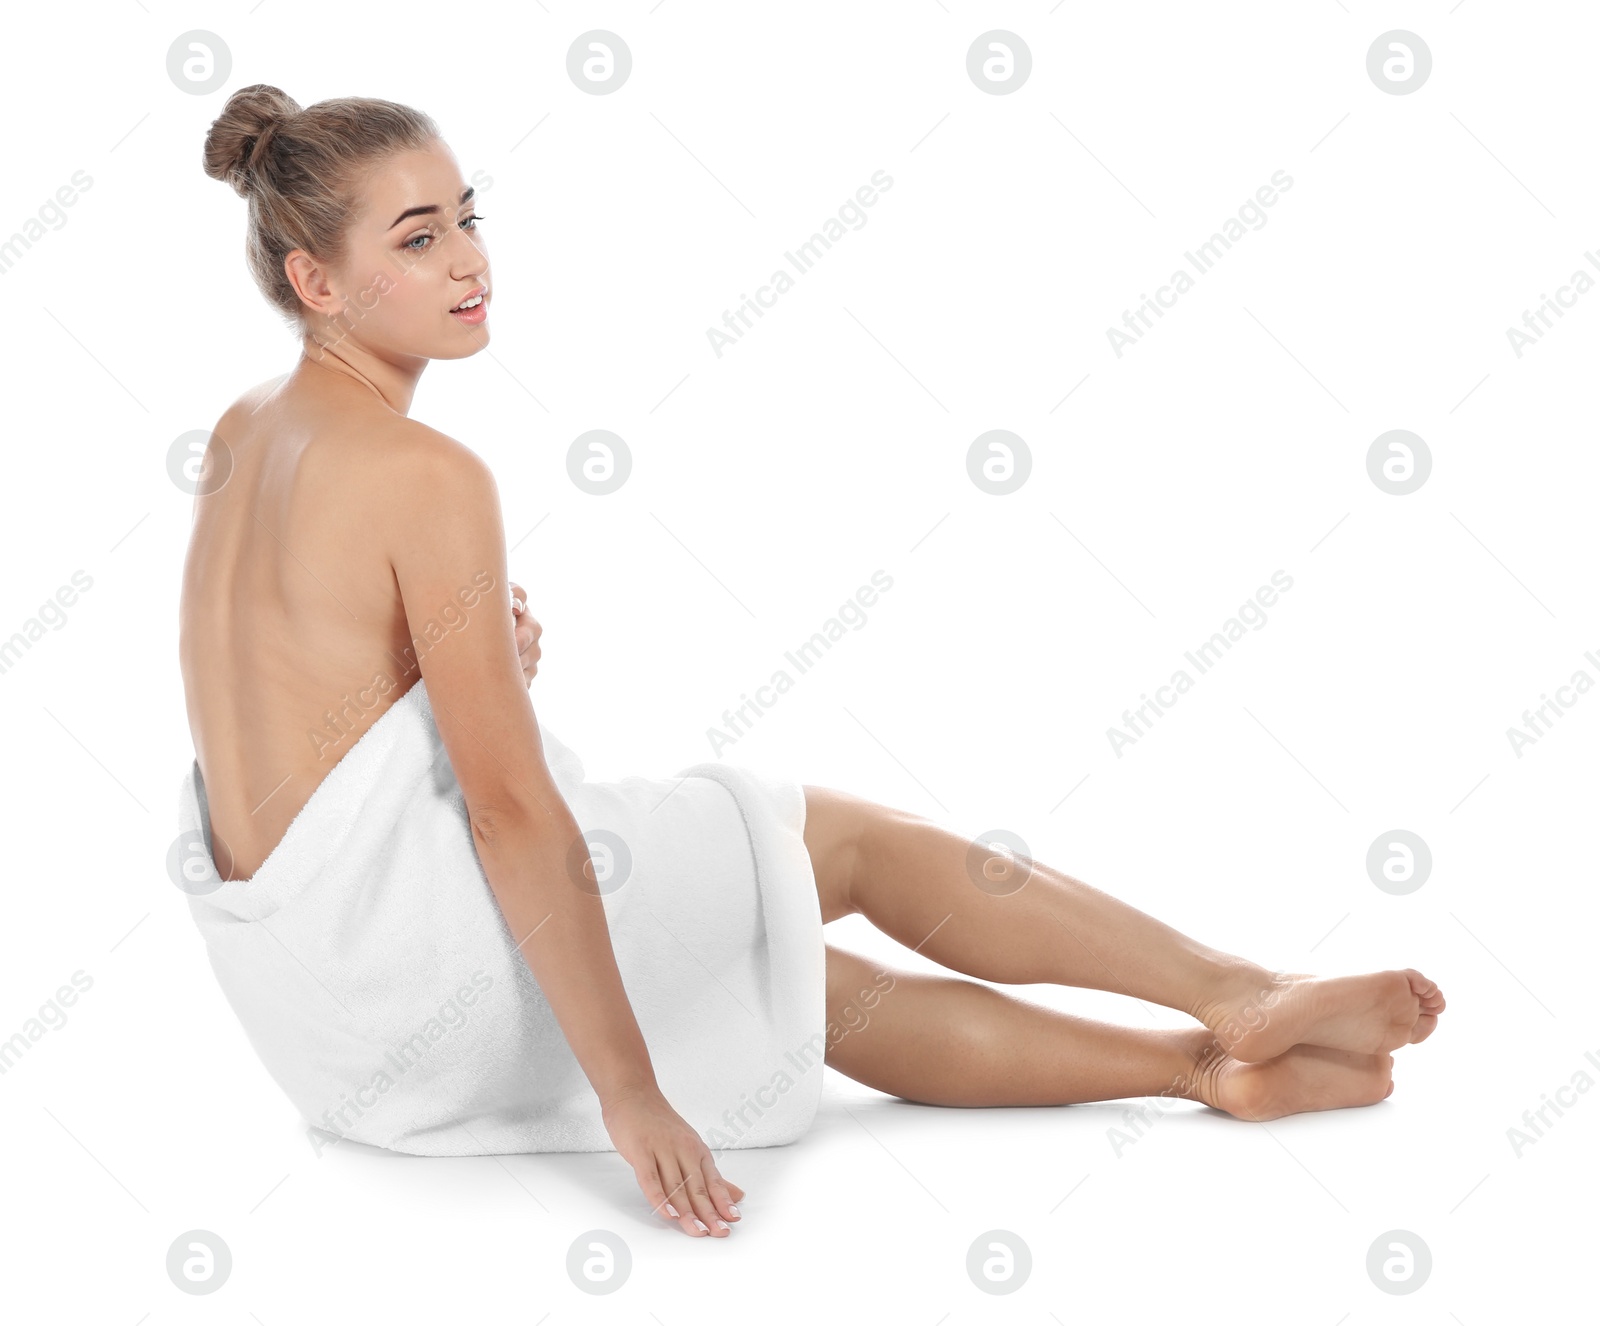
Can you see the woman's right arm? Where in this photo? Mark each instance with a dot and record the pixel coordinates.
(442, 529)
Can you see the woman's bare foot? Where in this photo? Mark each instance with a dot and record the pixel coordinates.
(1262, 1014)
(1304, 1077)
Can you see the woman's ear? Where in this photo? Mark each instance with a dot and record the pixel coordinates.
(310, 281)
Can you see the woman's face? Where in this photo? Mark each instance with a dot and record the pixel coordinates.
(415, 253)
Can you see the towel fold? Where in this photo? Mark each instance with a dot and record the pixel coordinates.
(374, 974)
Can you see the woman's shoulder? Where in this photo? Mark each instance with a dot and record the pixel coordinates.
(377, 467)
(419, 442)
(279, 401)
(402, 476)
(427, 460)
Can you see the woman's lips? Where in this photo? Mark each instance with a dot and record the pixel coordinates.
(472, 316)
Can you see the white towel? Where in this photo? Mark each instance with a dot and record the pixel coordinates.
(377, 980)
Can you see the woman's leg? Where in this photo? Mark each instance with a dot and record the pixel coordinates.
(946, 1041)
(1012, 921)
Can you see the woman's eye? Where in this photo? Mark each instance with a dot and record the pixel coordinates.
(415, 247)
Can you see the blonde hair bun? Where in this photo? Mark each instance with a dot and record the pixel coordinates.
(236, 136)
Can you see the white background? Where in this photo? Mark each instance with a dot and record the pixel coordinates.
(1167, 485)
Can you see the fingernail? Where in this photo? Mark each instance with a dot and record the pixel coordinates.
(703, 1229)
(672, 1210)
(733, 1209)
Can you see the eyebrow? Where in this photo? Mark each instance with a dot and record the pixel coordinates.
(432, 208)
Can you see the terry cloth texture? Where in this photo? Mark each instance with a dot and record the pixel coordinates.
(374, 974)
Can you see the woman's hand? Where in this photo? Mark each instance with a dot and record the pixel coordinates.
(528, 632)
(674, 1167)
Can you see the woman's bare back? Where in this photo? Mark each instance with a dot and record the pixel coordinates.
(293, 639)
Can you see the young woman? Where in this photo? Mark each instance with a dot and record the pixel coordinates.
(329, 524)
